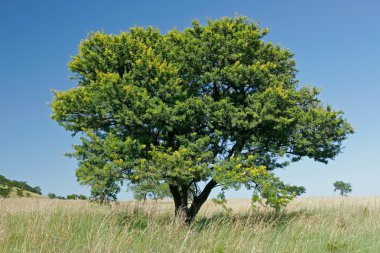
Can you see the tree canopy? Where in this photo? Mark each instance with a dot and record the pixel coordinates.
(343, 188)
(212, 105)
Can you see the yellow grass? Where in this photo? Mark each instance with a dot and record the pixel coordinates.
(335, 224)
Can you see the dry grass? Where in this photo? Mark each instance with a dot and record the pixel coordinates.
(307, 225)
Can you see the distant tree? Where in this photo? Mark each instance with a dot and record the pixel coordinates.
(37, 190)
(161, 191)
(72, 196)
(19, 192)
(149, 188)
(342, 187)
(76, 196)
(52, 195)
(82, 197)
(214, 105)
(3, 180)
(5, 192)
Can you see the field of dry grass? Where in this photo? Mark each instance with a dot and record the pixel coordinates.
(307, 225)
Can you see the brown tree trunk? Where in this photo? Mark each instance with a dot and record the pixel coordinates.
(176, 197)
(180, 196)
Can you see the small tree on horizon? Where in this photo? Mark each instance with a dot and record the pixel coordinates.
(343, 188)
(72, 196)
(76, 197)
(211, 106)
(52, 195)
(82, 197)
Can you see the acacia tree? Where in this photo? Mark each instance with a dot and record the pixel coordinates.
(343, 188)
(212, 105)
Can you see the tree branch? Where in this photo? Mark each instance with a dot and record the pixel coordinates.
(200, 199)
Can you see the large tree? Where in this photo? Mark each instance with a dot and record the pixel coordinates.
(212, 105)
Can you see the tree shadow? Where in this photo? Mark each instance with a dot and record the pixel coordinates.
(277, 219)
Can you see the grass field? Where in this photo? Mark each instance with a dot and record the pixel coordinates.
(307, 225)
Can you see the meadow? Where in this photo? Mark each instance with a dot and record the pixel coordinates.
(334, 224)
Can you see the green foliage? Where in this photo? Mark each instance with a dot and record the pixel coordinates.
(76, 197)
(71, 196)
(20, 185)
(82, 197)
(271, 191)
(222, 201)
(342, 187)
(19, 192)
(52, 195)
(212, 103)
(5, 192)
(148, 188)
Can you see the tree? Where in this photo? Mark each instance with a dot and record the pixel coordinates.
(72, 196)
(213, 105)
(52, 195)
(150, 189)
(344, 188)
(76, 197)
(5, 192)
(82, 197)
(37, 190)
(19, 192)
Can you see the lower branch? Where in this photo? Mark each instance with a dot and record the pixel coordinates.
(200, 200)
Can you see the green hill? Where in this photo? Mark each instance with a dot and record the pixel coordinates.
(14, 188)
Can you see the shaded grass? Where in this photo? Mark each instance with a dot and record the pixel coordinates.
(308, 225)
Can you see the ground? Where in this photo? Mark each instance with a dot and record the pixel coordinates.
(336, 224)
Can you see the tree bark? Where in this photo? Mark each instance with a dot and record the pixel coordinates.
(200, 200)
(180, 196)
(176, 197)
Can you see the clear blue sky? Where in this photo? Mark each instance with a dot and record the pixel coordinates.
(336, 46)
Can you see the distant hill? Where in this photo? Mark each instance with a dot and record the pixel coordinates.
(14, 188)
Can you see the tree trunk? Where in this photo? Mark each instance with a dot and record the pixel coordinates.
(180, 196)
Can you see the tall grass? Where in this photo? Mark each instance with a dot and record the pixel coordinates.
(307, 225)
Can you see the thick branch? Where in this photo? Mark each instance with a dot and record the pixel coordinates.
(236, 148)
(200, 199)
(232, 150)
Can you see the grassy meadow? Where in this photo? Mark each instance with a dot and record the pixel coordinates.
(336, 224)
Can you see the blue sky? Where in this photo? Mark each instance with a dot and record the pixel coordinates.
(336, 46)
